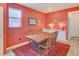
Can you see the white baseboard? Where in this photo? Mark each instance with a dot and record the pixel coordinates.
(18, 45)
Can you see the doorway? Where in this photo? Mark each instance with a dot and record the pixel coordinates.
(73, 32)
(73, 27)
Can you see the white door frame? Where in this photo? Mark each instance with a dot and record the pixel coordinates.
(1, 30)
(69, 25)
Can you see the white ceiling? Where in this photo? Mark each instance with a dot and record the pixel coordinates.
(49, 7)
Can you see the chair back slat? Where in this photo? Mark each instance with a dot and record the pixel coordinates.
(49, 40)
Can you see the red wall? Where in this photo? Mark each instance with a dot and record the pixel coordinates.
(61, 16)
(14, 34)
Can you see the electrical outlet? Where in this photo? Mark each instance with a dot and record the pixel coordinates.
(19, 38)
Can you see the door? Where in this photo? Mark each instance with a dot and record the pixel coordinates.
(73, 23)
(1, 30)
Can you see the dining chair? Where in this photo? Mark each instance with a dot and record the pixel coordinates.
(54, 38)
(46, 45)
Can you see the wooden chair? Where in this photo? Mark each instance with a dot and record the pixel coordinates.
(54, 38)
(46, 45)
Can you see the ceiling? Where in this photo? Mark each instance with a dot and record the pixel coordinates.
(49, 7)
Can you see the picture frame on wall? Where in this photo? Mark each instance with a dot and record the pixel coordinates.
(32, 21)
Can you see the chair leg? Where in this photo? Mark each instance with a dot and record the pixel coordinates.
(46, 51)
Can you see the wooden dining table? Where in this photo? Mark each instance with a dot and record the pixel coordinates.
(38, 38)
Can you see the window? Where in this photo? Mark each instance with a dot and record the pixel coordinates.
(15, 16)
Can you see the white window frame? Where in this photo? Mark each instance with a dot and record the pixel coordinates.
(15, 17)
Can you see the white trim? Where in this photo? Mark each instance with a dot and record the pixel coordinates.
(18, 45)
(1, 30)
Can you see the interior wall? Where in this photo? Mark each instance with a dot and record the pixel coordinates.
(73, 23)
(17, 35)
(61, 16)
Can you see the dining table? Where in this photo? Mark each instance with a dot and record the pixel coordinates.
(37, 38)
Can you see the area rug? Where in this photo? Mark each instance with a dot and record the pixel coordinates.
(59, 50)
